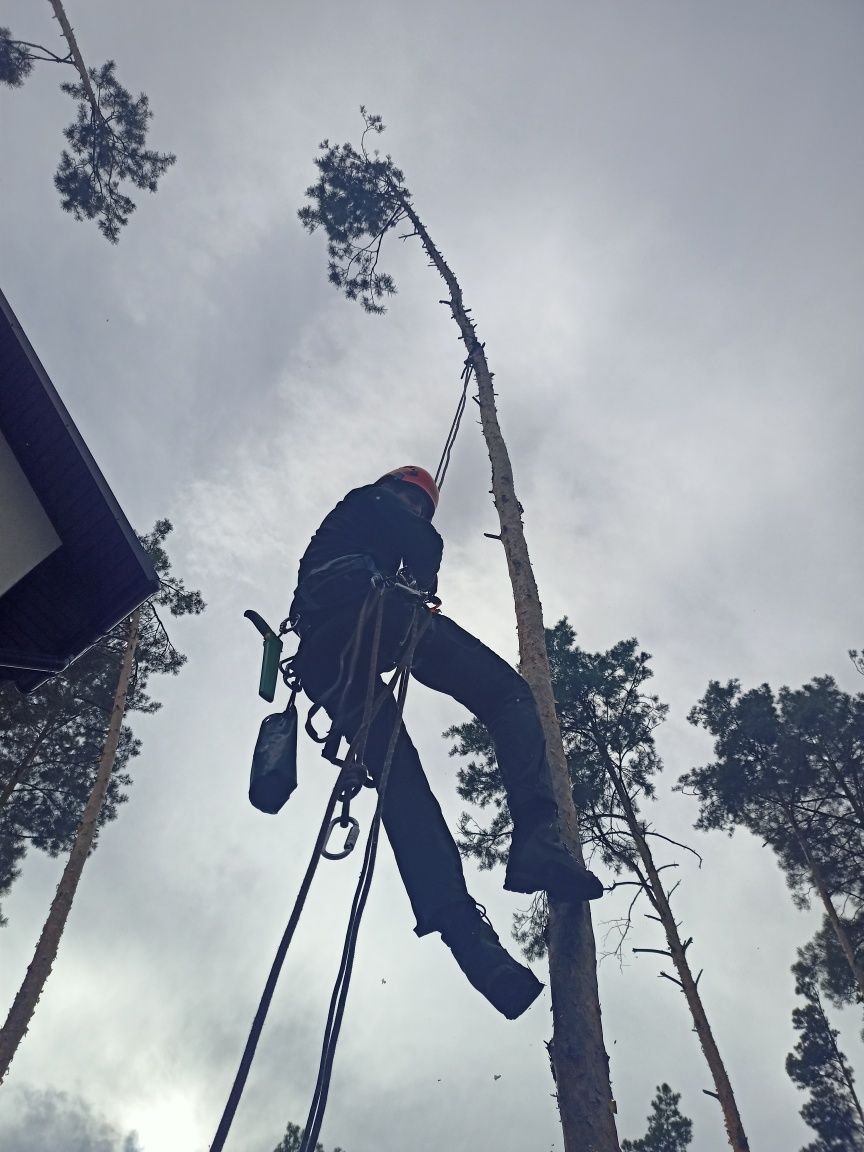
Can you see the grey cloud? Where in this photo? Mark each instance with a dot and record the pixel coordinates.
(47, 1120)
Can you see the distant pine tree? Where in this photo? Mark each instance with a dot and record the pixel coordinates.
(818, 1066)
(788, 767)
(293, 1139)
(135, 649)
(106, 139)
(52, 738)
(668, 1129)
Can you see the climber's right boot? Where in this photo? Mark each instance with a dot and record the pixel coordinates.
(507, 985)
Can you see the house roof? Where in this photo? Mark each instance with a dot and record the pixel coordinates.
(99, 573)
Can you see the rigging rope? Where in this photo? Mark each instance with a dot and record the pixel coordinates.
(361, 895)
(348, 784)
(444, 462)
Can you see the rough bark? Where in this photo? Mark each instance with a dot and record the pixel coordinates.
(678, 954)
(24, 1005)
(580, 1063)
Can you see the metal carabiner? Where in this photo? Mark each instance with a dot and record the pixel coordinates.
(350, 840)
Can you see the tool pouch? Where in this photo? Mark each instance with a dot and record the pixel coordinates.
(274, 762)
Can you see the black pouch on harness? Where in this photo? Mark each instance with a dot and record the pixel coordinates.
(274, 762)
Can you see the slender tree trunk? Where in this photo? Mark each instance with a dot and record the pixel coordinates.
(686, 980)
(825, 896)
(75, 51)
(21, 1012)
(579, 1060)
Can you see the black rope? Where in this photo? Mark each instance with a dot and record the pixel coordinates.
(339, 996)
(347, 784)
(270, 987)
(444, 462)
(342, 789)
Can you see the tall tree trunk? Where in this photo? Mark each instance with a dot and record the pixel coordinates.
(828, 904)
(579, 1060)
(21, 1012)
(678, 955)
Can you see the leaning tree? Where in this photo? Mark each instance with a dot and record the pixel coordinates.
(106, 140)
(358, 199)
(55, 734)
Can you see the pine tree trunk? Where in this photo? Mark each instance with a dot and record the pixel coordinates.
(579, 1060)
(21, 1012)
(828, 904)
(678, 954)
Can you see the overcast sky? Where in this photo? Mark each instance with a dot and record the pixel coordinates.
(655, 212)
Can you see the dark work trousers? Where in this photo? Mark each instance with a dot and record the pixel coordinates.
(450, 660)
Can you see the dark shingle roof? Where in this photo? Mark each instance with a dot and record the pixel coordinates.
(100, 573)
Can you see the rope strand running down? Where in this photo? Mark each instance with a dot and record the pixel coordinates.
(444, 462)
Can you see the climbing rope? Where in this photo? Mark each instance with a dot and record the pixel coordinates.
(444, 462)
(348, 784)
(361, 895)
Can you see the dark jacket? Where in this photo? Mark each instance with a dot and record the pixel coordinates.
(373, 521)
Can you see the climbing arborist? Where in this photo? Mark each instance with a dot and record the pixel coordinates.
(385, 528)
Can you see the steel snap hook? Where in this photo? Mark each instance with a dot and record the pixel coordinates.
(350, 840)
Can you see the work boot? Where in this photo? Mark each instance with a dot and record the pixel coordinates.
(507, 985)
(539, 860)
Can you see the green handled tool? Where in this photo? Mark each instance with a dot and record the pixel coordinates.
(270, 658)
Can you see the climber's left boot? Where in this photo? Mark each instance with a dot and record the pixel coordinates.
(540, 861)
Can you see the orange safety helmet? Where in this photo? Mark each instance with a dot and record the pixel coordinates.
(412, 474)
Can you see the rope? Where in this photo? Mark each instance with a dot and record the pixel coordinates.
(339, 996)
(347, 784)
(270, 987)
(444, 462)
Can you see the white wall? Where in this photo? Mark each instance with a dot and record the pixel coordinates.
(26, 534)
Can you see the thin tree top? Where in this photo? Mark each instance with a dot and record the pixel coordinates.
(358, 197)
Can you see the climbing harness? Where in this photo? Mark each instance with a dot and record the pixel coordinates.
(352, 777)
